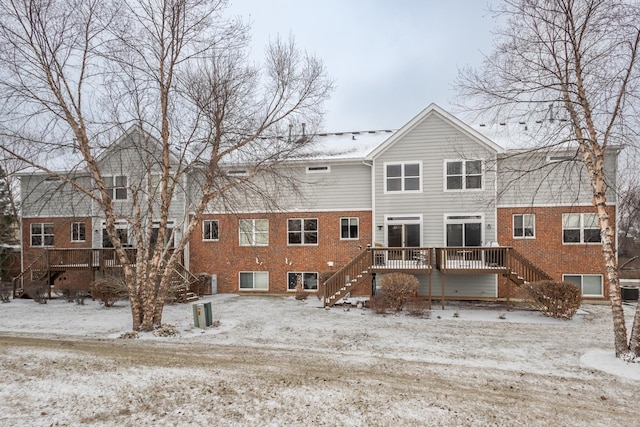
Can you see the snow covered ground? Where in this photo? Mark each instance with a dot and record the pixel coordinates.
(279, 361)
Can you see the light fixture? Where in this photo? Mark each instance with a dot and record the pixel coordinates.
(380, 227)
(488, 226)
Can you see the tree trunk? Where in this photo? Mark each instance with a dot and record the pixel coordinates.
(607, 232)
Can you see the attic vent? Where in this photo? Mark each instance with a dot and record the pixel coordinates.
(318, 169)
(553, 159)
(237, 172)
(52, 178)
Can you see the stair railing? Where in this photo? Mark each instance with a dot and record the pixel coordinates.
(338, 285)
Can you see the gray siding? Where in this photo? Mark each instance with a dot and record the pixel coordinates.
(346, 186)
(47, 197)
(433, 141)
(531, 179)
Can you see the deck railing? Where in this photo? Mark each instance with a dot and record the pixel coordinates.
(336, 286)
(401, 258)
(471, 258)
(524, 269)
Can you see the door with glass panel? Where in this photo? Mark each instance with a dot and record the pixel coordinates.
(403, 233)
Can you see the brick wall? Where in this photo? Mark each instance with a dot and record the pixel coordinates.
(227, 258)
(547, 250)
(61, 240)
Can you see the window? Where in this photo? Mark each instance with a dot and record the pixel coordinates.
(254, 280)
(318, 169)
(309, 280)
(254, 232)
(41, 234)
(464, 230)
(155, 231)
(580, 228)
(210, 229)
(589, 284)
(463, 174)
(122, 230)
(302, 231)
(524, 226)
(348, 228)
(116, 187)
(78, 232)
(403, 177)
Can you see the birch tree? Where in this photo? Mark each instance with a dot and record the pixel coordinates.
(580, 56)
(77, 73)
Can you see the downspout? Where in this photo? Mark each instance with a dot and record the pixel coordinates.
(373, 203)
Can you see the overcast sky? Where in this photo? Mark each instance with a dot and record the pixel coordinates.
(389, 59)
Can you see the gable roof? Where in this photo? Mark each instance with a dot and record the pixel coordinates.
(433, 109)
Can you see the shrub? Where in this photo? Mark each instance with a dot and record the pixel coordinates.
(398, 288)
(378, 303)
(108, 290)
(418, 308)
(559, 300)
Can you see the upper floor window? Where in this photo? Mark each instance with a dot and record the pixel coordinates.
(254, 232)
(116, 187)
(318, 169)
(349, 228)
(463, 174)
(78, 232)
(210, 229)
(41, 234)
(580, 228)
(302, 231)
(524, 226)
(403, 177)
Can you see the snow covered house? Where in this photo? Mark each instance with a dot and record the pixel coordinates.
(438, 199)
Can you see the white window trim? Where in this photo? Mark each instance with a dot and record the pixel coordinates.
(42, 235)
(303, 273)
(254, 281)
(350, 218)
(464, 174)
(402, 177)
(581, 283)
(85, 232)
(581, 242)
(111, 187)
(210, 240)
(253, 232)
(513, 226)
(467, 218)
(302, 243)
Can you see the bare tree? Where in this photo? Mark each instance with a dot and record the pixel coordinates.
(580, 56)
(75, 73)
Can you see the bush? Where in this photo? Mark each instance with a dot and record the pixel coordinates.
(378, 303)
(398, 288)
(559, 300)
(109, 290)
(418, 308)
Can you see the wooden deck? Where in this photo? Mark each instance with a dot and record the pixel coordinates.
(502, 261)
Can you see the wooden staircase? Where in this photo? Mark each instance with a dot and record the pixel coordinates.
(342, 281)
(521, 271)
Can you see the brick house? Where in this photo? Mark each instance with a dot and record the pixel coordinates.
(436, 198)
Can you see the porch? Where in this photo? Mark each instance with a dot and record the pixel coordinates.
(52, 263)
(501, 261)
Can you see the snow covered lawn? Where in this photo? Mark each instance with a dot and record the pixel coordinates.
(277, 361)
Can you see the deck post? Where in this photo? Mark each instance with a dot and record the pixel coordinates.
(442, 282)
(507, 277)
(430, 274)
